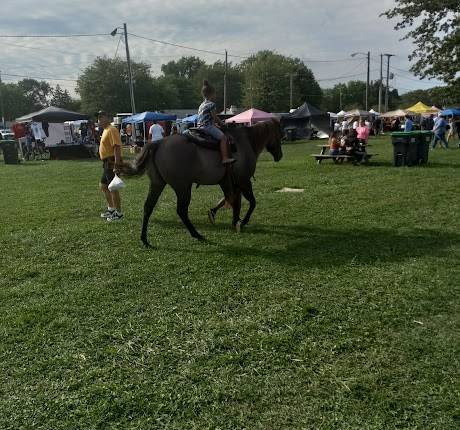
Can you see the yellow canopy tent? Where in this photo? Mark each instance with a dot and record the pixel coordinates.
(421, 108)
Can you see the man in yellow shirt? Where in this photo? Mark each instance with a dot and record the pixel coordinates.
(110, 154)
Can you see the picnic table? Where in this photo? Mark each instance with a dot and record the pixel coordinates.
(323, 155)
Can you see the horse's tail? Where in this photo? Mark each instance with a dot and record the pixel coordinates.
(138, 167)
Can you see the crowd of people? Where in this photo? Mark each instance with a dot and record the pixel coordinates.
(374, 125)
(440, 127)
(351, 141)
(444, 130)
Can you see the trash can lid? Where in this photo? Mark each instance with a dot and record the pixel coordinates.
(405, 133)
(7, 142)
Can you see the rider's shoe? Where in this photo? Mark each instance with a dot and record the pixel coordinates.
(212, 216)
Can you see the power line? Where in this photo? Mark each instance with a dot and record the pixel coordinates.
(412, 79)
(55, 51)
(341, 60)
(184, 46)
(48, 78)
(118, 45)
(51, 36)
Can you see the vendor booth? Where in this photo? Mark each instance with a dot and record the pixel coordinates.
(146, 119)
(452, 112)
(422, 109)
(301, 122)
(357, 113)
(250, 117)
(399, 113)
(53, 126)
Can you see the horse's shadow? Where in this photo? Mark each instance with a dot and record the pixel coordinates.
(313, 246)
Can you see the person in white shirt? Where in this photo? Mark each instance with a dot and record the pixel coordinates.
(156, 132)
(355, 125)
(344, 125)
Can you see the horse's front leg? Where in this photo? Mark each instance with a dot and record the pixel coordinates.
(184, 196)
(156, 188)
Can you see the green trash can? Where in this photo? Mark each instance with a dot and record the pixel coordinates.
(291, 134)
(10, 151)
(405, 148)
(426, 137)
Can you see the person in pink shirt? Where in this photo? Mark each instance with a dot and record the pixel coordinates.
(363, 133)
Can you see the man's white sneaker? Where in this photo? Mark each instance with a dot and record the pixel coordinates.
(107, 214)
(116, 216)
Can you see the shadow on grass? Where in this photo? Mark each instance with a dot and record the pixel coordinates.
(315, 246)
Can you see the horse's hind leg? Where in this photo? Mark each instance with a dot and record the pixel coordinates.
(156, 188)
(236, 205)
(184, 195)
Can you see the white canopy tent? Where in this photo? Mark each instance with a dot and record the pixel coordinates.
(395, 113)
(357, 113)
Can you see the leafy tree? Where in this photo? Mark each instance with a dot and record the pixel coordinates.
(60, 98)
(436, 33)
(214, 73)
(36, 93)
(185, 67)
(15, 103)
(438, 96)
(353, 96)
(165, 93)
(267, 82)
(104, 85)
(182, 75)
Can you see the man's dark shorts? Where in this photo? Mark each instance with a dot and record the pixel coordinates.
(108, 174)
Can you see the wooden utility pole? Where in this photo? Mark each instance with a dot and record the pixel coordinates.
(130, 72)
(387, 90)
(225, 82)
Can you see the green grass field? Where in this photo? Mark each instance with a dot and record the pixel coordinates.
(337, 308)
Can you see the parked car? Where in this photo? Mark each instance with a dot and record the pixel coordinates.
(6, 134)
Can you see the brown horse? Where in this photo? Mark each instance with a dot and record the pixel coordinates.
(178, 162)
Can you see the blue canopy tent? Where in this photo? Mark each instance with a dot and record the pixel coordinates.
(142, 118)
(148, 116)
(451, 112)
(192, 119)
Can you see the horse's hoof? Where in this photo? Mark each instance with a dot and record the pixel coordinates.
(200, 238)
(212, 216)
(147, 245)
(238, 226)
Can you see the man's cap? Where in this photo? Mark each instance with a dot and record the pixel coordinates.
(103, 113)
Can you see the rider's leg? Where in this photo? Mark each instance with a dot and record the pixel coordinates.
(224, 152)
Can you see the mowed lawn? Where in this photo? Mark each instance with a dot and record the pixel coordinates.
(337, 308)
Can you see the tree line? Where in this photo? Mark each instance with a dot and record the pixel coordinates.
(262, 81)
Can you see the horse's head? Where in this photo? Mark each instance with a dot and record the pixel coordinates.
(274, 137)
(266, 134)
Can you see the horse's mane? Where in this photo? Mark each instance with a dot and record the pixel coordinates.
(260, 133)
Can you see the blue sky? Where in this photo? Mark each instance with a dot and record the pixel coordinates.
(317, 31)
